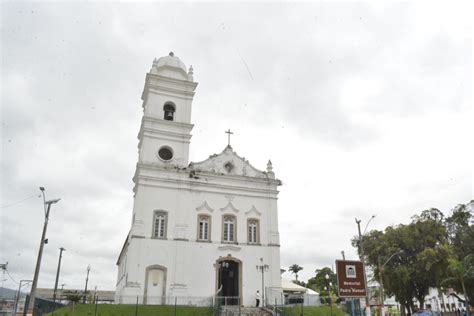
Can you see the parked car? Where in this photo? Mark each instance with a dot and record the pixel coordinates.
(426, 312)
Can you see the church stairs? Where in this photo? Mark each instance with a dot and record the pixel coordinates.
(243, 311)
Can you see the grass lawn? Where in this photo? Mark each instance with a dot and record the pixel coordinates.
(313, 311)
(130, 310)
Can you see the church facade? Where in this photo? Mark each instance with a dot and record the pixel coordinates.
(198, 229)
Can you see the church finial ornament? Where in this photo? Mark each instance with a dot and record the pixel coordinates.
(270, 172)
(171, 54)
(228, 136)
(269, 166)
(190, 73)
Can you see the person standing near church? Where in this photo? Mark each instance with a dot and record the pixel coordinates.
(257, 298)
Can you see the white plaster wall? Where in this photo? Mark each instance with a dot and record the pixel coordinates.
(192, 264)
(155, 102)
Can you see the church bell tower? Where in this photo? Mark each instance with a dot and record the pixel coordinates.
(165, 130)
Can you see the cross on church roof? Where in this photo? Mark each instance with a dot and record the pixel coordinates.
(228, 136)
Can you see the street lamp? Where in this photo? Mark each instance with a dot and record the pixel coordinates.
(47, 208)
(87, 280)
(262, 268)
(57, 273)
(362, 258)
(329, 284)
(381, 268)
(62, 290)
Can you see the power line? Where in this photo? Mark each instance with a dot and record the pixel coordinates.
(11, 277)
(8, 205)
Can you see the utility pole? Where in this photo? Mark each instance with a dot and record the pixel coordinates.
(362, 258)
(57, 273)
(17, 298)
(47, 208)
(3, 266)
(87, 280)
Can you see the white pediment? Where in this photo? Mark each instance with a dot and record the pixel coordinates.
(228, 163)
(229, 208)
(204, 207)
(253, 211)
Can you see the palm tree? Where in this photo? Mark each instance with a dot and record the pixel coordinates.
(459, 271)
(294, 268)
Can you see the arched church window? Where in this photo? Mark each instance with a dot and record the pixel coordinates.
(168, 110)
(204, 228)
(159, 224)
(253, 231)
(229, 229)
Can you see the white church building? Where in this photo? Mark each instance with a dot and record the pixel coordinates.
(198, 228)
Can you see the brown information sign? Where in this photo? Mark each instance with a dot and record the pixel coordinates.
(350, 278)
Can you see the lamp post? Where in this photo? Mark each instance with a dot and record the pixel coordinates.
(381, 268)
(17, 299)
(62, 290)
(362, 258)
(262, 268)
(329, 284)
(57, 273)
(443, 309)
(47, 208)
(87, 280)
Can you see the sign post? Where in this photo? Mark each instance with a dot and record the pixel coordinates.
(350, 278)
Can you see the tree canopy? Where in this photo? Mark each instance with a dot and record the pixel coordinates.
(424, 249)
(294, 268)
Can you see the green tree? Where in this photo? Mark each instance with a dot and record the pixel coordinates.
(461, 236)
(73, 296)
(319, 282)
(421, 265)
(459, 273)
(294, 268)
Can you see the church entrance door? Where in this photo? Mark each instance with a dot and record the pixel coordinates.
(155, 286)
(229, 279)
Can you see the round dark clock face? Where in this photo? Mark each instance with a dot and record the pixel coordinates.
(165, 153)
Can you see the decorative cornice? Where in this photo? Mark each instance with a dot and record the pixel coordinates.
(204, 207)
(253, 210)
(230, 207)
(229, 247)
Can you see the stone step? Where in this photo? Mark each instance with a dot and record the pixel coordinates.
(243, 311)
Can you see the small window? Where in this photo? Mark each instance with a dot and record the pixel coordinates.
(159, 224)
(168, 110)
(252, 231)
(228, 231)
(204, 231)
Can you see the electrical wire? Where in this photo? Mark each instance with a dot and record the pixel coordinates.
(8, 205)
(11, 277)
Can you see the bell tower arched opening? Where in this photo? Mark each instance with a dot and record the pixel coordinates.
(168, 111)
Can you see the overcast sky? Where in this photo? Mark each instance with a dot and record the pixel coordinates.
(363, 108)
